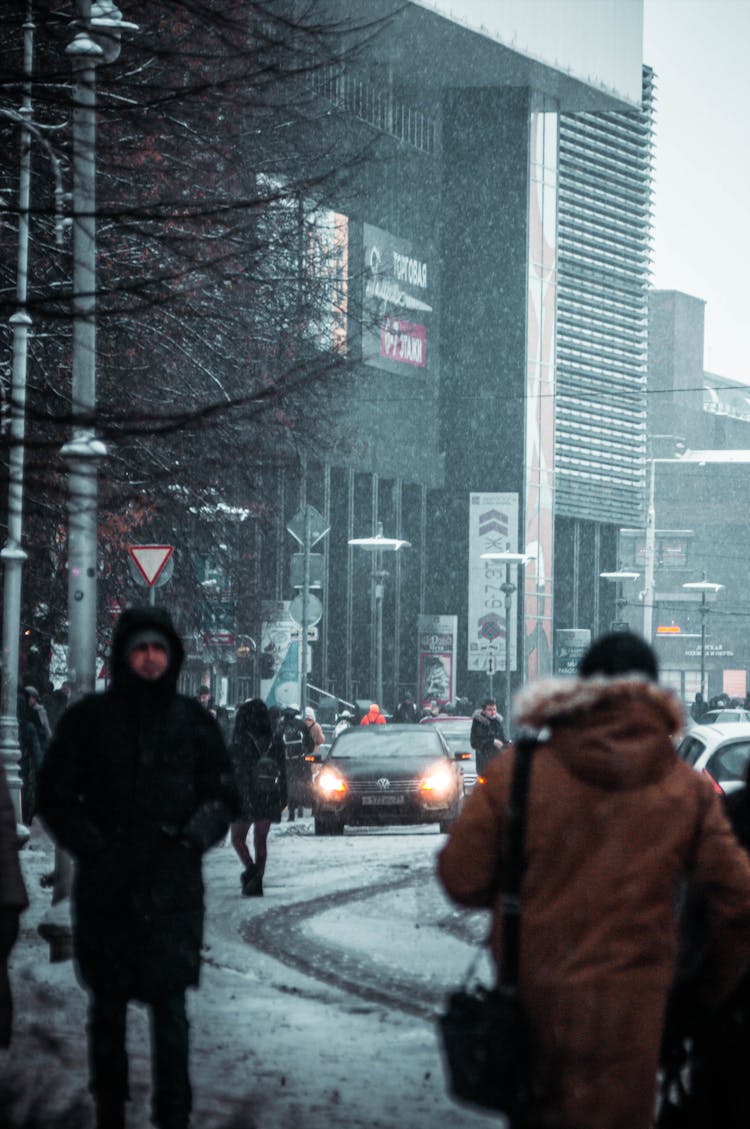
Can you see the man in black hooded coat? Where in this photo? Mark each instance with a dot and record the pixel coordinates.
(136, 786)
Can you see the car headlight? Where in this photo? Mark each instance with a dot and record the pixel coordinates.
(330, 784)
(439, 780)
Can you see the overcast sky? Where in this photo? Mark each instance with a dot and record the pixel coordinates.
(699, 51)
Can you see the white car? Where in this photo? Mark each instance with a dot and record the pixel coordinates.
(722, 751)
(728, 713)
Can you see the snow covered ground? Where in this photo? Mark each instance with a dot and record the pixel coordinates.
(278, 1040)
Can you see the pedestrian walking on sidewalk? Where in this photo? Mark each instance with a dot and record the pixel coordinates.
(614, 822)
(136, 786)
(258, 756)
(13, 900)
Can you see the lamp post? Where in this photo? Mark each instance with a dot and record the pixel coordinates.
(378, 545)
(676, 444)
(619, 576)
(507, 588)
(13, 554)
(704, 587)
(97, 40)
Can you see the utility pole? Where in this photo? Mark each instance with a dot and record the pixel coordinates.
(97, 41)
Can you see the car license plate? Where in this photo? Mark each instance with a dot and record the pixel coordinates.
(380, 801)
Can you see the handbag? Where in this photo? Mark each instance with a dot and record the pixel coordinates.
(483, 1030)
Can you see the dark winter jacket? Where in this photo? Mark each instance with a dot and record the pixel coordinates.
(253, 738)
(406, 713)
(614, 820)
(136, 785)
(484, 732)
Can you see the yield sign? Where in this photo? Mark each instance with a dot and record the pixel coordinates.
(150, 560)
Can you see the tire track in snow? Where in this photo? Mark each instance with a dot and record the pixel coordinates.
(280, 933)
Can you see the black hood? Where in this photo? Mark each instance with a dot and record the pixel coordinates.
(139, 619)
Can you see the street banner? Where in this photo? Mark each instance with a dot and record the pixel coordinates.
(493, 528)
(436, 649)
(279, 654)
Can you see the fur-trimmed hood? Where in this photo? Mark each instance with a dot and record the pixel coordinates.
(613, 732)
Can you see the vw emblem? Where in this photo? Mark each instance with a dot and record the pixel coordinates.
(384, 783)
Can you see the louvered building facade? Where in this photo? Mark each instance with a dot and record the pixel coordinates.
(604, 221)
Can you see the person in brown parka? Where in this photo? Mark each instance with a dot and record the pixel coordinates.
(615, 822)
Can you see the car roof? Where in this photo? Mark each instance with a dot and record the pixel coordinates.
(719, 730)
(441, 718)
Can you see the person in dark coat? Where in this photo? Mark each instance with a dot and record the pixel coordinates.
(255, 737)
(406, 712)
(720, 1037)
(698, 708)
(487, 736)
(13, 900)
(298, 744)
(32, 742)
(136, 786)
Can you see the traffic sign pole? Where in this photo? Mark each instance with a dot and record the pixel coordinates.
(307, 527)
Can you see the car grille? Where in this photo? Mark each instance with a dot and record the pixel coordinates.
(370, 787)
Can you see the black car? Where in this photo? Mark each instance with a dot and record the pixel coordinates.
(386, 774)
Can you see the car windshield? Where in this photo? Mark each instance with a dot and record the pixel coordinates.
(382, 741)
(729, 762)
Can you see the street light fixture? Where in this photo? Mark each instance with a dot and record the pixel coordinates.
(13, 554)
(507, 588)
(378, 545)
(704, 587)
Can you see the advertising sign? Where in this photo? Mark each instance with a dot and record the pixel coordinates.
(570, 645)
(436, 648)
(398, 326)
(493, 528)
(279, 654)
(328, 268)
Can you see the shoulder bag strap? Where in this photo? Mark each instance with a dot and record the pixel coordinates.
(510, 900)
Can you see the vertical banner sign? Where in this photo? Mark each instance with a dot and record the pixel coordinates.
(571, 645)
(436, 648)
(398, 329)
(493, 528)
(279, 655)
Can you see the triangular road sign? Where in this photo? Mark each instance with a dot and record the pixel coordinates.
(150, 560)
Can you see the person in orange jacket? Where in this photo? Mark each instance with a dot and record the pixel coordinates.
(373, 716)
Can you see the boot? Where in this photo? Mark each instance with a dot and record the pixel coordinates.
(110, 1114)
(175, 1117)
(252, 882)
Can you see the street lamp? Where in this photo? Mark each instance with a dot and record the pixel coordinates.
(619, 576)
(378, 545)
(13, 554)
(704, 587)
(98, 27)
(507, 588)
(677, 445)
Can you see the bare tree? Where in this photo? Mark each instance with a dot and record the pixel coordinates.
(221, 268)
